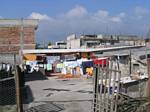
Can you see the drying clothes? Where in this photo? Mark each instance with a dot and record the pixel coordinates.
(64, 71)
(74, 71)
(100, 61)
(87, 64)
(3, 66)
(69, 71)
(31, 63)
(0, 66)
(27, 63)
(71, 64)
(41, 65)
(52, 59)
(79, 70)
(8, 67)
(45, 66)
(60, 65)
(49, 67)
(89, 71)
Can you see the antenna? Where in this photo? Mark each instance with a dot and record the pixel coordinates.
(148, 34)
(107, 29)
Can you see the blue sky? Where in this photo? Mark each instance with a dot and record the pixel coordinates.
(59, 18)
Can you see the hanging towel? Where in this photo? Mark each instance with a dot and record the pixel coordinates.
(49, 67)
(60, 65)
(87, 64)
(45, 66)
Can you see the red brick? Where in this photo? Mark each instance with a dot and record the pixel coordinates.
(10, 36)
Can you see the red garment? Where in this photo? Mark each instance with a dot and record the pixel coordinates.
(100, 61)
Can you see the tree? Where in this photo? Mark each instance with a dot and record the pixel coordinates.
(49, 44)
(37, 46)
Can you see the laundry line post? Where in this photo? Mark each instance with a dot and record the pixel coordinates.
(148, 71)
(18, 86)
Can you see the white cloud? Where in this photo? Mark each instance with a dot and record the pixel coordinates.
(118, 18)
(102, 14)
(122, 14)
(78, 11)
(35, 15)
(141, 11)
(79, 20)
(105, 17)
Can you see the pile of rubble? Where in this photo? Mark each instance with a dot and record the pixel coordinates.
(129, 104)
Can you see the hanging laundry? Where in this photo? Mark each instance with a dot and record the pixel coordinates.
(74, 71)
(71, 64)
(100, 61)
(69, 71)
(64, 71)
(0, 66)
(81, 71)
(89, 71)
(52, 59)
(78, 71)
(87, 64)
(8, 67)
(45, 66)
(60, 65)
(49, 67)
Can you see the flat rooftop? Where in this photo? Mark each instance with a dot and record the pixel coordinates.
(42, 51)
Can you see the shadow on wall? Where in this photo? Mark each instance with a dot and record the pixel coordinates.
(35, 76)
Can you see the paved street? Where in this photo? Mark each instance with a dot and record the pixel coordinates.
(71, 95)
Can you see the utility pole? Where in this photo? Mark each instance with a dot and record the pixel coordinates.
(130, 66)
(18, 89)
(148, 34)
(18, 70)
(21, 39)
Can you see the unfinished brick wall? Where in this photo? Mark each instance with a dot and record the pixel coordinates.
(10, 39)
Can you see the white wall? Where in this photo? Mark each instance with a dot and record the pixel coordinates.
(73, 43)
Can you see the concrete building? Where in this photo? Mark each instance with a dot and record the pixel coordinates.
(89, 41)
(15, 34)
(129, 40)
(97, 41)
(58, 45)
(73, 42)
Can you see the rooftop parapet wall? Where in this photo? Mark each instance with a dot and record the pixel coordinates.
(15, 22)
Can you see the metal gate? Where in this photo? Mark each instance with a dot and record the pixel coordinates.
(106, 86)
